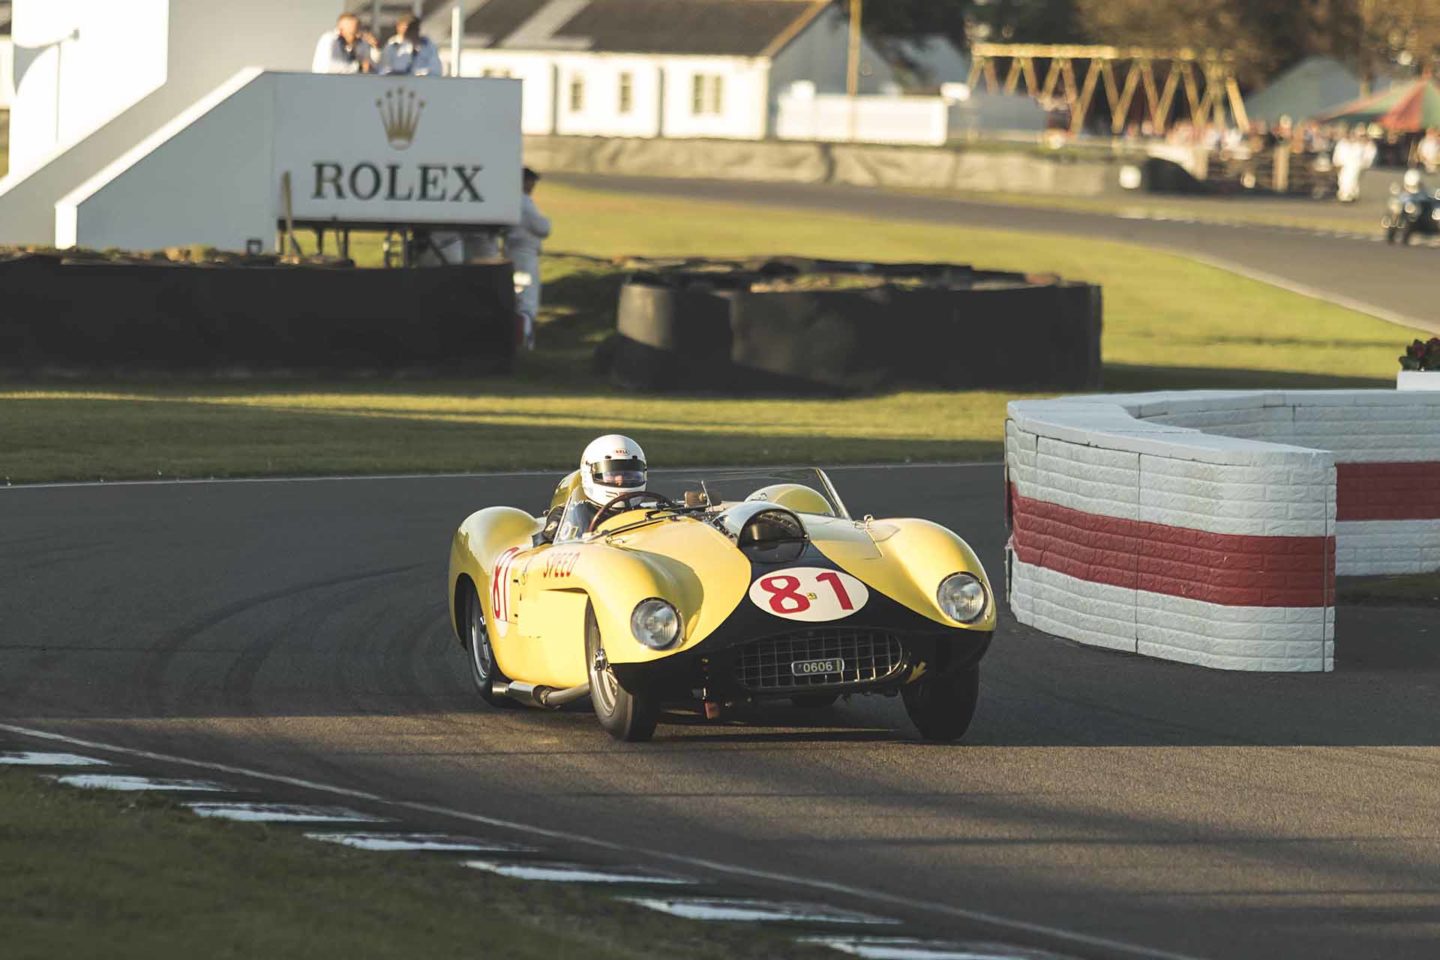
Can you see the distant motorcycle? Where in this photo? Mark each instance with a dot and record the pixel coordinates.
(1412, 209)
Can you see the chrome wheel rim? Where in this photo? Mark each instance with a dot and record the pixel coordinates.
(482, 660)
(604, 688)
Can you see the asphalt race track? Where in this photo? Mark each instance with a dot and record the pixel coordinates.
(299, 628)
(1359, 271)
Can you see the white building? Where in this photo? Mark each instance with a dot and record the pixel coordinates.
(7, 57)
(659, 68)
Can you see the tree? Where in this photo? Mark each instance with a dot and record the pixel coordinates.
(1261, 35)
(1382, 34)
(914, 18)
(1001, 21)
(1025, 21)
(1266, 36)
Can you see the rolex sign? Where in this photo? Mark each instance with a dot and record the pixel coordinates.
(400, 150)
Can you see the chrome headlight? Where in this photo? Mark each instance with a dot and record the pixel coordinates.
(961, 597)
(655, 623)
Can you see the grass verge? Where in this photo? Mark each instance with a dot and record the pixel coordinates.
(1169, 323)
(137, 877)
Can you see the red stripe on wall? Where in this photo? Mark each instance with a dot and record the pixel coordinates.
(1229, 569)
(1387, 491)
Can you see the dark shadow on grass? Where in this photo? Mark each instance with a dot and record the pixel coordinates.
(1133, 378)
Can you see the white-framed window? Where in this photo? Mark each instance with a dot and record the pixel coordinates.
(707, 94)
(627, 92)
(577, 93)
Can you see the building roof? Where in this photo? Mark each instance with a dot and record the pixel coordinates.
(390, 13)
(746, 28)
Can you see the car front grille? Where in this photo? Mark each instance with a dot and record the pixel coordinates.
(764, 666)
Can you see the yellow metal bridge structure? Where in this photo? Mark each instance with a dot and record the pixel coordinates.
(1171, 85)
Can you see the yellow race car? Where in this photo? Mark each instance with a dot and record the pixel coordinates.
(743, 587)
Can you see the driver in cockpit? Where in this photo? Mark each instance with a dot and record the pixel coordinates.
(610, 466)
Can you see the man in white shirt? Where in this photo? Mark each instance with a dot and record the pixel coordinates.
(1427, 153)
(1353, 156)
(410, 53)
(345, 49)
(522, 246)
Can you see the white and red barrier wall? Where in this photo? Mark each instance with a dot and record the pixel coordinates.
(1208, 527)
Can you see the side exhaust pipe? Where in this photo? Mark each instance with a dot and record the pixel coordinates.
(537, 696)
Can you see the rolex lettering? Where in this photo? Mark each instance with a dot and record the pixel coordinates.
(428, 182)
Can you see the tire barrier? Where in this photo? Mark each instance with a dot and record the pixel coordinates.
(94, 316)
(761, 327)
(1208, 527)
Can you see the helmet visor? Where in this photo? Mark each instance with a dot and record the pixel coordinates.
(618, 474)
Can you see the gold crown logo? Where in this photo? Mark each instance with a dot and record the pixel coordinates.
(400, 113)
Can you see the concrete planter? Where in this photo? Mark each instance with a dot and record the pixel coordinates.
(1417, 380)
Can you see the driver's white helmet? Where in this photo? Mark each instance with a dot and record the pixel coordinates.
(1412, 180)
(612, 465)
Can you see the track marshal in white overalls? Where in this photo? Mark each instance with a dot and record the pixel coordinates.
(522, 246)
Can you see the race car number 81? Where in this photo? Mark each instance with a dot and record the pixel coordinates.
(812, 594)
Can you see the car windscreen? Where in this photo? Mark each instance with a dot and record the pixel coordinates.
(804, 489)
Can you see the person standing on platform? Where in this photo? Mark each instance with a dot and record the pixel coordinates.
(410, 53)
(522, 246)
(345, 49)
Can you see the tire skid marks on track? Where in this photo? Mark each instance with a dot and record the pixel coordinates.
(716, 908)
(165, 651)
(238, 683)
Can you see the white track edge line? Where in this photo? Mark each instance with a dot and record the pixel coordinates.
(877, 896)
(497, 475)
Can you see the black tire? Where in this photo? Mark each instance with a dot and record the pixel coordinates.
(484, 671)
(1407, 233)
(814, 701)
(1390, 233)
(624, 715)
(941, 705)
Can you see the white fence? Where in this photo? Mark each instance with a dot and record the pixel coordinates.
(875, 119)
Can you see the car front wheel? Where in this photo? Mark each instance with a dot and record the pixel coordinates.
(483, 670)
(941, 705)
(624, 715)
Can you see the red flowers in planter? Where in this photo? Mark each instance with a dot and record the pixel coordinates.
(1422, 355)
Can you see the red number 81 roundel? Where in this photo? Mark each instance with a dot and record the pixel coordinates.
(811, 594)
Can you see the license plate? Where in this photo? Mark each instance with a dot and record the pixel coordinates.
(814, 668)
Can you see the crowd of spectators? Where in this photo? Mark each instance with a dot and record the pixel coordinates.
(1334, 153)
